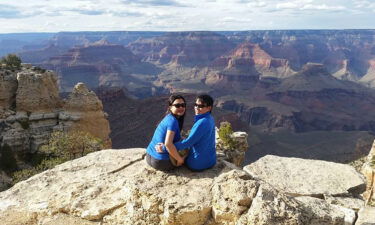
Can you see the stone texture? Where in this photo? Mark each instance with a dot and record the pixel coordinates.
(307, 177)
(232, 194)
(339, 214)
(118, 187)
(37, 92)
(31, 109)
(348, 202)
(368, 170)
(90, 116)
(8, 88)
(366, 216)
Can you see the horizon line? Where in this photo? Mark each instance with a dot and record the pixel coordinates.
(183, 31)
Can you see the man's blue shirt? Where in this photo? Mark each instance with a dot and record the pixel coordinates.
(169, 122)
(201, 142)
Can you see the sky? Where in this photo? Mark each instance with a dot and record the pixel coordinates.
(176, 15)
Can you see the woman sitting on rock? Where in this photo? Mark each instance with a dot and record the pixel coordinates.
(168, 132)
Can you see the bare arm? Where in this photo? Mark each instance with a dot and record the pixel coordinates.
(171, 148)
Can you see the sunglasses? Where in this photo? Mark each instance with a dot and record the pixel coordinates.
(183, 105)
(199, 105)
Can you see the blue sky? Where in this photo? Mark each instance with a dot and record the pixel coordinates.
(177, 15)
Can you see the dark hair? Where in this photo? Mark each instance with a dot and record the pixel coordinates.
(207, 100)
(180, 119)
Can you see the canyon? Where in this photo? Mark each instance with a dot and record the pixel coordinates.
(304, 81)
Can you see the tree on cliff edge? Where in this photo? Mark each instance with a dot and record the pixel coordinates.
(11, 62)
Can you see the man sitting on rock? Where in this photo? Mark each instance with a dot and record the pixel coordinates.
(201, 140)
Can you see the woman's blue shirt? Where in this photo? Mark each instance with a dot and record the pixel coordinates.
(169, 122)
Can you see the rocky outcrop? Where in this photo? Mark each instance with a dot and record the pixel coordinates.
(8, 87)
(91, 116)
(118, 187)
(236, 153)
(369, 78)
(368, 170)
(33, 110)
(303, 177)
(366, 216)
(37, 92)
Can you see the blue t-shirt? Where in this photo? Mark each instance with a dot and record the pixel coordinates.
(169, 122)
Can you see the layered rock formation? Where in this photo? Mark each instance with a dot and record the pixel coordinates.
(102, 64)
(310, 100)
(118, 187)
(250, 59)
(31, 109)
(182, 48)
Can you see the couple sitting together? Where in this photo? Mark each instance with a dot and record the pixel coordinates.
(166, 149)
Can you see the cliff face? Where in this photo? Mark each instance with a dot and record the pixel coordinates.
(248, 58)
(310, 100)
(30, 109)
(118, 187)
(182, 48)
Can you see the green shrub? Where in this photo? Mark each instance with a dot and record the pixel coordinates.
(225, 134)
(72, 144)
(372, 162)
(11, 62)
(61, 147)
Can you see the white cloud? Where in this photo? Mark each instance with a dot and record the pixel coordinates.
(75, 15)
(287, 5)
(323, 7)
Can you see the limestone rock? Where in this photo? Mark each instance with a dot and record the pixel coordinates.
(112, 187)
(368, 170)
(8, 88)
(37, 92)
(81, 99)
(340, 215)
(270, 207)
(86, 108)
(31, 109)
(307, 177)
(348, 202)
(232, 193)
(366, 216)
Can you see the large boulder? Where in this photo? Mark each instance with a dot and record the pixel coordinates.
(366, 216)
(83, 110)
(37, 92)
(118, 187)
(303, 177)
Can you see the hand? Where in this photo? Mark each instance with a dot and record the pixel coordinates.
(159, 147)
(180, 162)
